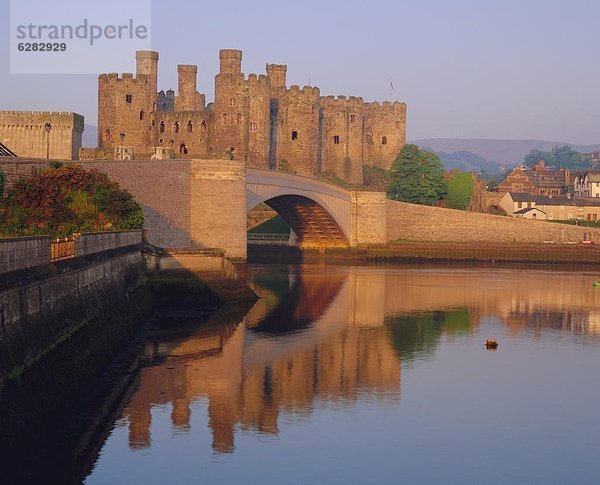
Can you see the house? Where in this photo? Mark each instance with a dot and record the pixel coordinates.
(538, 180)
(560, 208)
(530, 213)
(587, 184)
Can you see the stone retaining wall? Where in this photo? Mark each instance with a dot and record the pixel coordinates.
(20, 253)
(96, 242)
(23, 252)
(423, 223)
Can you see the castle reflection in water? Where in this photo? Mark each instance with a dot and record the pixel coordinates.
(334, 334)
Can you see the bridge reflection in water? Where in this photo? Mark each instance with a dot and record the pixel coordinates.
(334, 334)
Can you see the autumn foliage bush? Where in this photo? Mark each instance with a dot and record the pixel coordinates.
(65, 200)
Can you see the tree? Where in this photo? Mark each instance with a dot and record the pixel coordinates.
(460, 190)
(417, 176)
(560, 157)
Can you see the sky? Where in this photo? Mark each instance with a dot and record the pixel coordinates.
(506, 69)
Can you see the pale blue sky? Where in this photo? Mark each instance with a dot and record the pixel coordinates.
(493, 69)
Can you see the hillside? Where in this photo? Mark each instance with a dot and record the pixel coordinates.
(500, 152)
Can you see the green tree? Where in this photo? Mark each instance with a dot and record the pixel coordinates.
(559, 157)
(417, 176)
(460, 190)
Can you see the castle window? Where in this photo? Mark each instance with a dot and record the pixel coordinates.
(128, 98)
(203, 127)
(162, 127)
(336, 140)
(183, 149)
(253, 126)
(224, 119)
(384, 140)
(232, 102)
(352, 118)
(239, 119)
(107, 135)
(190, 126)
(176, 126)
(142, 114)
(294, 135)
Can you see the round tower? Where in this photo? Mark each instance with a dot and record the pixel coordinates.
(186, 95)
(147, 64)
(231, 61)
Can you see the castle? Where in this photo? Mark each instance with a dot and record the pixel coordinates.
(254, 118)
(39, 134)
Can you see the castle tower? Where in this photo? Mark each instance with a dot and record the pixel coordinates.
(186, 96)
(240, 114)
(127, 104)
(147, 64)
(231, 61)
(384, 133)
(299, 143)
(277, 74)
(342, 137)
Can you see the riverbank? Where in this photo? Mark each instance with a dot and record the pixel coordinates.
(419, 251)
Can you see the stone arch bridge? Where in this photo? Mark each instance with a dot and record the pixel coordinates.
(319, 213)
(204, 203)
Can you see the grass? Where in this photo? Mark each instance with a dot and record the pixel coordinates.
(275, 225)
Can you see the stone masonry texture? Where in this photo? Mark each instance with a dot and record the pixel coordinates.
(423, 223)
(254, 118)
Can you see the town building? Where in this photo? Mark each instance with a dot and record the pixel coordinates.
(587, 184)
(39, 134)
(254, 118)
(560, 208)
(538, 180)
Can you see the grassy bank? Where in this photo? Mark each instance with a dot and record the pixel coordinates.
(415, 251)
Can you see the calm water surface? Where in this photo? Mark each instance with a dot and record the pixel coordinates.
(373, 375)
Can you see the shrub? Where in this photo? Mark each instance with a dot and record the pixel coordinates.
(67, 199)
(460, 190)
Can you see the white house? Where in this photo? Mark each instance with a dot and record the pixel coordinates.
(587, 184)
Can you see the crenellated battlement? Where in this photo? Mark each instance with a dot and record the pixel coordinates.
(38, 113)
(311, 93)
(256, 79)
(387, 106)
(342, 102)
(124, 78)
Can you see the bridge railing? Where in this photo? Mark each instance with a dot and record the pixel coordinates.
(257, 236)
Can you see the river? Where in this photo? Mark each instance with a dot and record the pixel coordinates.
(373, 374)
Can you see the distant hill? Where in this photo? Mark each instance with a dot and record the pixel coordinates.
(500, 152)
(465, 161)
(90, 136)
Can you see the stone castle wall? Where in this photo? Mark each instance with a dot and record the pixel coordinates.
(254, 118)
(25, 134)
(423, 223)
(126, 105)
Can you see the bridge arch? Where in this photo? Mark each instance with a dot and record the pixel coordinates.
(317, 212)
